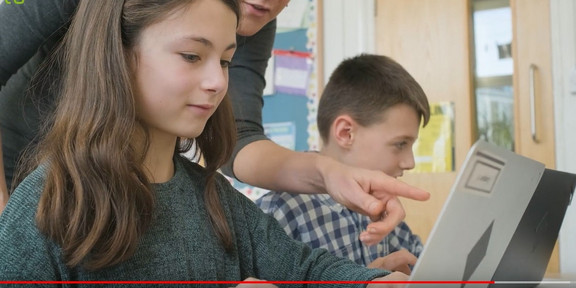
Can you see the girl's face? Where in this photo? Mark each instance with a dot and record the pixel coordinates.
(182, 68)
(257, 13)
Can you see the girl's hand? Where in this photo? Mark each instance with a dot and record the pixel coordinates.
(396, 261)
(255, 285)
(394, 276)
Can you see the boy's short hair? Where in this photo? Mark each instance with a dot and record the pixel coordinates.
(364, 87)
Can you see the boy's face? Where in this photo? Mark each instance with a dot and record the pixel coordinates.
(387, 145)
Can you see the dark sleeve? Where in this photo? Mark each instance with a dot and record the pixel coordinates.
(24, 27)
(28, 34)
(279, 257)
(246, 86)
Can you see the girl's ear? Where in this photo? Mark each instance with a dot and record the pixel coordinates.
(343, 129)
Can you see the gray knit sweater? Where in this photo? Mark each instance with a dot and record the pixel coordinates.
(180, 245)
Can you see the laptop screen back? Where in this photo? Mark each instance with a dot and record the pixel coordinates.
(479, 217)
(529, 251)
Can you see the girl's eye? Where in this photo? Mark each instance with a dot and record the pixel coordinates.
(190, 57)
(225, 63)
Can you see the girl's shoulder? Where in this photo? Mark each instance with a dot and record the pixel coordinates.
(23, 202)
(26, 252)
(20, 210)
(31, 187)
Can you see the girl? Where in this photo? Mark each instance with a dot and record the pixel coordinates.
(29, 32)
(111, 197)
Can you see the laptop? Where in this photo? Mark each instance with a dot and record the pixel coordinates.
(528, 253)
(484, 231)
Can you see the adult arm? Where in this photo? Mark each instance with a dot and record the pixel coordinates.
(368, 192)
(261, 162)
(23, 29)
(3, 187)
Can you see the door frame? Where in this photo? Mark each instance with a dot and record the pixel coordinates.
(563, 37)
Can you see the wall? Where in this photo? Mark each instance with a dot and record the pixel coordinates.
(348, 31)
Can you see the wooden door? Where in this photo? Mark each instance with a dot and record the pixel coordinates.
(534, 123)
(431, 40)
(533, 79)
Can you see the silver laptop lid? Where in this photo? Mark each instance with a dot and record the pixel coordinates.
(479, 217)
(525, 261)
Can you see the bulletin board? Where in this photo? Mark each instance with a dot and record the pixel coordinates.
(293, 82)
(291, 94)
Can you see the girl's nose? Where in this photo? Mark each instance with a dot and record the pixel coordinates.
(215, 79)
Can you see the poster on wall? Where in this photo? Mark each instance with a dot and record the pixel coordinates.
(292, 71)
(434, 149)
(282, 133)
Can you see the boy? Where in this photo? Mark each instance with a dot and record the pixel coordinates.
(368, 116)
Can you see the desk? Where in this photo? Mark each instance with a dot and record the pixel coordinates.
(560, 281)
(550, 281)
(557, 284)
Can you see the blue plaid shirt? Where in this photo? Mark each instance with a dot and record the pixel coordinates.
(321, 222)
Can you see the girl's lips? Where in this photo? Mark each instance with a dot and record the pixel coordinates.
(201, 109)
(202, 106)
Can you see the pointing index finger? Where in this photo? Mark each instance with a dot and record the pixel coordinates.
(391, 186)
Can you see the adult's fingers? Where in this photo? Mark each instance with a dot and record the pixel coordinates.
(392, 216)
(384, 186)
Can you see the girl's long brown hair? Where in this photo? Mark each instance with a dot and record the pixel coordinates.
(97, 201)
